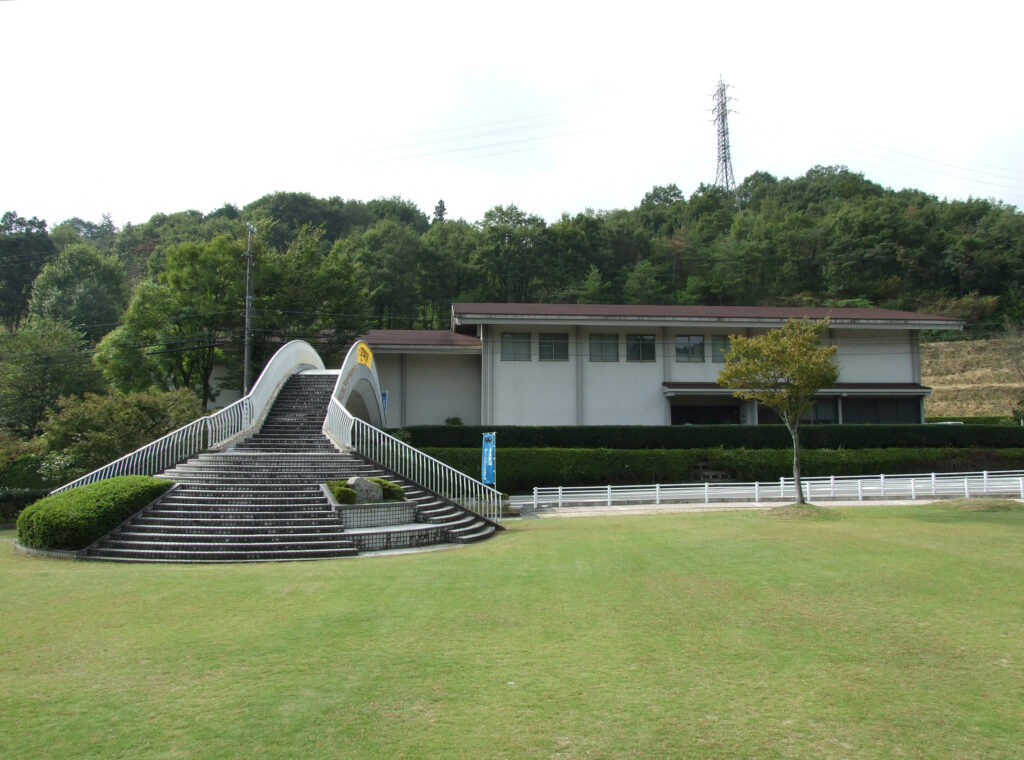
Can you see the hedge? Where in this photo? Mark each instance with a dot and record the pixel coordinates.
(75, 518)
(519, 470)
(712, 436)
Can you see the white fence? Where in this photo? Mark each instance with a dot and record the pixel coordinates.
(215, 430)
(932, 485)
(399, 457)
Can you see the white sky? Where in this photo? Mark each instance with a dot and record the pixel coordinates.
(140, 107)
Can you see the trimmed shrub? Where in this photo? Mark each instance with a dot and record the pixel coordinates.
(392, 491)
(519, 470)
(973, 420)
(713, 436)
(345, 495)
(341, 492)
(74, 519)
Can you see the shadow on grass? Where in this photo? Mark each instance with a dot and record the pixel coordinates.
(802, 512)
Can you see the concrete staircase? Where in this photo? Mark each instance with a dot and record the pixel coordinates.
(261, 500)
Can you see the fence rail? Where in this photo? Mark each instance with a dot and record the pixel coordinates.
(1007, 483)
(399, 457)
(212, 431)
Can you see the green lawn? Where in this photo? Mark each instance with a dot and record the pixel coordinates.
(888, 632)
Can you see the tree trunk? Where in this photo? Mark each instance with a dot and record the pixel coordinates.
(795, 432)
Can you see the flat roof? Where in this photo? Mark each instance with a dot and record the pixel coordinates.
(510, 313)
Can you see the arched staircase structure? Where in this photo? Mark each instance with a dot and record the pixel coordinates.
(249, 481)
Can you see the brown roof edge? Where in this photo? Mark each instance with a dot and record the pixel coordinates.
(425, 338)
(653, 311)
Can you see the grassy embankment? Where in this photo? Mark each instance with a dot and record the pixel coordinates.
(883, 632)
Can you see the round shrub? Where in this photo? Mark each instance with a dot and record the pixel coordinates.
(75, 518)
(341, 492)
(392, 491)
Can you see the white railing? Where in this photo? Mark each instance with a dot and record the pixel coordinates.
(376, 445)
(1008, 483)
(215, 430)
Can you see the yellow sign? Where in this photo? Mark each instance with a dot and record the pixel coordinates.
(365, 355)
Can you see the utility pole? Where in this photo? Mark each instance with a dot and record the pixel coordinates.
(247, 359)
(723, 176)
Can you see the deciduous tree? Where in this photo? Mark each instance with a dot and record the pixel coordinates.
(82, 287)
(25, 247)
(39, 363)
(782, 370)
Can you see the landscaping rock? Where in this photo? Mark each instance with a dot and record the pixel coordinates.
(366, 490)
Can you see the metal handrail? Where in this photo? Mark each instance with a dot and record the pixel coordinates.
(399, 457)
(214, 430)
(1009, 483)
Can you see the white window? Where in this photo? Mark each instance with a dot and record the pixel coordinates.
(604, 347)
(640, 348)
(690, 348)
(515, 347)
(719, 343)
(553, 347)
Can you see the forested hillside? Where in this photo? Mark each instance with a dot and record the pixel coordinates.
(86, 306)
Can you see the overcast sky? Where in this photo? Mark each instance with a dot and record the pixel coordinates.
(134, 108)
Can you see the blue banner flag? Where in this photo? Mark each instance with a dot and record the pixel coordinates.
(487, 460)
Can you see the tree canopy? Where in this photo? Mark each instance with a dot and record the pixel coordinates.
(782, 370)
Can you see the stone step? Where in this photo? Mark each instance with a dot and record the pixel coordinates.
(182, 528)
(226, 537)
(208, 521)
(485, 531)
(221, 555)
(236, 511)
(226, 546)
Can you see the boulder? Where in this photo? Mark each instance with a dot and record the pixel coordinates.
(366, 490)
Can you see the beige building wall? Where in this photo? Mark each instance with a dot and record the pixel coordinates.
(426, 389)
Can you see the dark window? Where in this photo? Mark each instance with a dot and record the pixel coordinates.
(604, 348)
(713, 414)
(689, 348)
(515, 347)
(887, 411)
(825, 412)
(640, 348)
(553, 347)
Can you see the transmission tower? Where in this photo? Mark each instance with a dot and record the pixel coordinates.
(723, 176)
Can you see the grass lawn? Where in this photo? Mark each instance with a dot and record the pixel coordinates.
(887, 632)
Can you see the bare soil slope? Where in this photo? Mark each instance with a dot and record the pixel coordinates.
(970, 378)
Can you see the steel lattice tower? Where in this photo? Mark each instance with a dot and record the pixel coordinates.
(723, 176)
